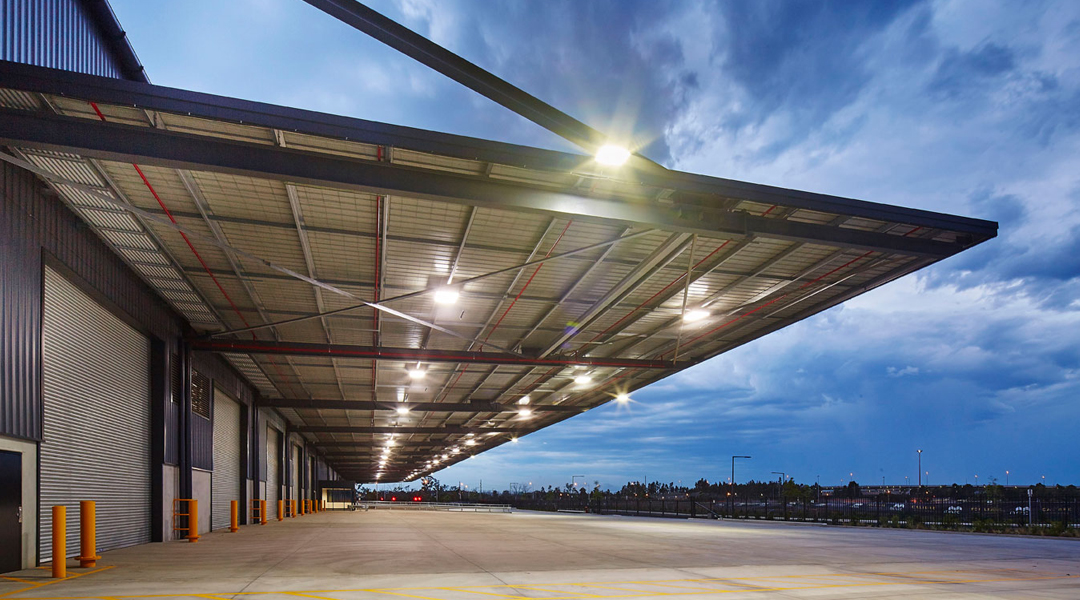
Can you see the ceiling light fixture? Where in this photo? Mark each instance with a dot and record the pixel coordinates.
(524, 400)
(446, 296)
(622, 398)
(583, 379)
(524, 413)
(470, 442)
(612, 155)
(695, 315)
(417, 373)
(403, 410)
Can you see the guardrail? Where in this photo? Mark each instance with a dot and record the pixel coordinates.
(441, 506)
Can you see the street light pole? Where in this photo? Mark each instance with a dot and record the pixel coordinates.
(732, 501)
(920, 468)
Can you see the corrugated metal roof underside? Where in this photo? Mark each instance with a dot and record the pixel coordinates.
(749, 285)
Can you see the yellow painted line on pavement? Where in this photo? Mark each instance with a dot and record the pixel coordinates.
(561, 595)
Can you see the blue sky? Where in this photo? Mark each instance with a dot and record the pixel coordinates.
(962, 107)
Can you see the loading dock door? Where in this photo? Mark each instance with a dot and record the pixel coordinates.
(225, 482)
(96, 392)
(273, 463)
(294, 471)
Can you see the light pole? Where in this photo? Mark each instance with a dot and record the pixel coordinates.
(920, 468)
(783, 478)
(976, 481)
(733, 483)
(1006, 478)
(573, 480)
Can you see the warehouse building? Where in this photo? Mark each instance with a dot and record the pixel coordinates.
(224, 300)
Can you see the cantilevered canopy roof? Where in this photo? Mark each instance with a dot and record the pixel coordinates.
(322, 256)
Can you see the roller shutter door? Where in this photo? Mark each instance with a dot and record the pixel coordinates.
(294, 471)
(225, 481)
(273, 464)
(96, 395)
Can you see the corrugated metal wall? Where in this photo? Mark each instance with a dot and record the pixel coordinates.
(32, 224)
(55, 33)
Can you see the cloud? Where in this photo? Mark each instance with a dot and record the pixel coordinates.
(908, 370)
(966, 108)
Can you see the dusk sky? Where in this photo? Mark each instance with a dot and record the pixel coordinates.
(970, 108)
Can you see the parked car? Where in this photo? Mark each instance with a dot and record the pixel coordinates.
(1023, 510)
(954, 510)
(898, 506)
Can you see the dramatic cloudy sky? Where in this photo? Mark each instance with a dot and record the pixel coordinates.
(962, 107)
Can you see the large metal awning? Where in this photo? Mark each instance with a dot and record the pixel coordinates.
(438, 295)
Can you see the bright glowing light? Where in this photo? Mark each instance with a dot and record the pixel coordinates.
(524, 400)
(583, 379)
(403, 410)
(388, 444)
(513, 440)
(612, 155)
(417, 373)
(622, 398)
(695, 315)
(525, 413)
(446, 296)
(470, 442)
(456, 450)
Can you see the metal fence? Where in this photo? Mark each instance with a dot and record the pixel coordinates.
(440, 506)
(941, 512)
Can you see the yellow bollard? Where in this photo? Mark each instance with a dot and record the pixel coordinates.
(280, 510)
(233, 519)
(262, 512)
(301, 507)
(59, 542)
(88, 534)
(292, 505)
(193, 521)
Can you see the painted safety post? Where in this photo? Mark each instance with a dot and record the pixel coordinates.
(292, 513)
(88, 534)
(233, 517)
(280, 510)
(59, 542)
(262, 512)
(193, 520)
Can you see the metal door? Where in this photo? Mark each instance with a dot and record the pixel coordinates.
(96, 393)
(225, 481)
(294, 471)
(273, 464)
(10, 511)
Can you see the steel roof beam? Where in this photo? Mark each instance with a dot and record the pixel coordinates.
(443, 61)
(183, 102)
(448, 429)
(119, 142)
(412, 354)
(656, 261)
(446, 407)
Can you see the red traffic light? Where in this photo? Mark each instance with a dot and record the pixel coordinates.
(393, 498)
